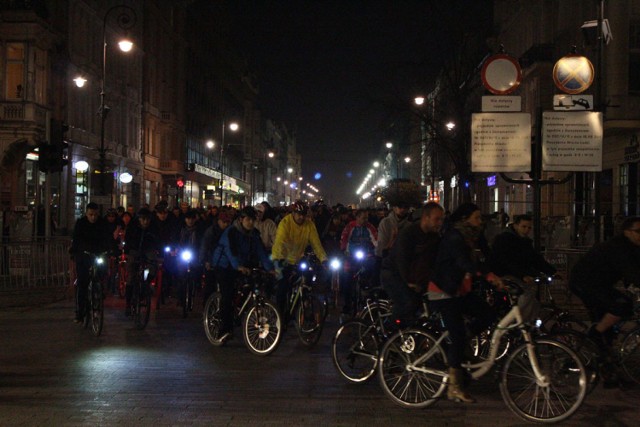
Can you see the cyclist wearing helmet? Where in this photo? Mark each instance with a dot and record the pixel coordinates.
(295, 232)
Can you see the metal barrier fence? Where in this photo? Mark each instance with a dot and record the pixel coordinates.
(34, 269)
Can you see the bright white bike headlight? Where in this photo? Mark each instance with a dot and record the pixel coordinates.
(359, 254)
(304, 266)
(99, 260)
(186, 256)
(335, 264)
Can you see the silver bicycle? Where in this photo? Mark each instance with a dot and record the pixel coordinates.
(542, 380)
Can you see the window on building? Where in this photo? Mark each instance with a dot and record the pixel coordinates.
(634, 58)
(15, 68)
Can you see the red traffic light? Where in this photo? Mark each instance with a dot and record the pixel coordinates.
(180, 183)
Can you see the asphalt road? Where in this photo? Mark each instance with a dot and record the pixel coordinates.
(53, 372)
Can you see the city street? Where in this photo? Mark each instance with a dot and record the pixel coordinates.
(53, 372)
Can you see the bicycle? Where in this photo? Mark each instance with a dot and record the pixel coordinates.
(542, 380)
(141, 292)
(122, 275)
(355, 348)
(261, 323)
(309, 311)
(552, 317)
(187, 283)
(606, 363)
(94, 308)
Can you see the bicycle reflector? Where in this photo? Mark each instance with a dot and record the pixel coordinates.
(186, 255)
(335, 264)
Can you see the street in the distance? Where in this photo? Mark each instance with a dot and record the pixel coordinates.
(55, 373)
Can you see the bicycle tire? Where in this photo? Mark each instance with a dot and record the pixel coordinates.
(630, 355)
(96, 308)
(374, 311)
(211, 319)
(481, 345)
(551, 403)
(122, 280)
(412, 388)
(586, 349)
(355, 351)
(261, 328)
(310, 318)
(143, 305)
(185, 297)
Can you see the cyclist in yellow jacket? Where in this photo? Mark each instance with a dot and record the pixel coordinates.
(295, 232)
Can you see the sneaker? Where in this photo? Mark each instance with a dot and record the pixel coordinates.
(224, 337)
(77, 319)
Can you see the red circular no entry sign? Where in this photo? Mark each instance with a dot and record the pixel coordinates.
(501, 74)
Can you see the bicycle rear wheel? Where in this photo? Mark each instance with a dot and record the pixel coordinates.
(261, 328)
(355, 351)
(630, 355)
(586, 349)
(96, 309)
(310, 319)
(122, 279)
(557, 397)
(143, 305)
(211, 319)
(412, 386)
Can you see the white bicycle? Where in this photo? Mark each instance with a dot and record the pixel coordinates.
(542, 380)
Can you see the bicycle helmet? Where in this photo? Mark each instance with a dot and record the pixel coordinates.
(299, 207)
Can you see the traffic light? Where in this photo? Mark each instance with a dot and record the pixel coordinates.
(59, 145)
(45, 157)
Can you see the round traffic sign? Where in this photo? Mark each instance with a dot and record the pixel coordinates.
(501, 74)
(573, 74)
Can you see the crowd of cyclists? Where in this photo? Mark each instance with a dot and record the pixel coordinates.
(409, 252)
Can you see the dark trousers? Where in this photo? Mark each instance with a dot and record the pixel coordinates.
(83, 265)
(227, 279)
(405, 300)
(283, 290)
(454, 311)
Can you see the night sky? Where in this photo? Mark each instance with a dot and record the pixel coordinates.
(326, 69)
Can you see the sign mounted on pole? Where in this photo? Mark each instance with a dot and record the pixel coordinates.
(572, 141)
(501, 74)
(501, 142)
(573, 74)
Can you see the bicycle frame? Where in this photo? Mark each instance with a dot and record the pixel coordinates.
(512, 320)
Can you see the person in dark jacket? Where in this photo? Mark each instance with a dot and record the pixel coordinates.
(207, 247)
(461, 257)
(513, 252)
(595, 275)
(142, 245)
(90, 234)
(406, 272)
(239, 249)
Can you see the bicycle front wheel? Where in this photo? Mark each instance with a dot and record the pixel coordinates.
(550, 399)
(355, 351)
(310, 319)
(211, 319)
(404, 383)
(630, 355)
(96, 309)
(143, 306)
(261, 328)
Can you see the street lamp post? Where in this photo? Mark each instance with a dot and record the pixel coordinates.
(126, 19)
(233, 126)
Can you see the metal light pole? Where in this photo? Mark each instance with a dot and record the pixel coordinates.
(126, 19)
(233, 127)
